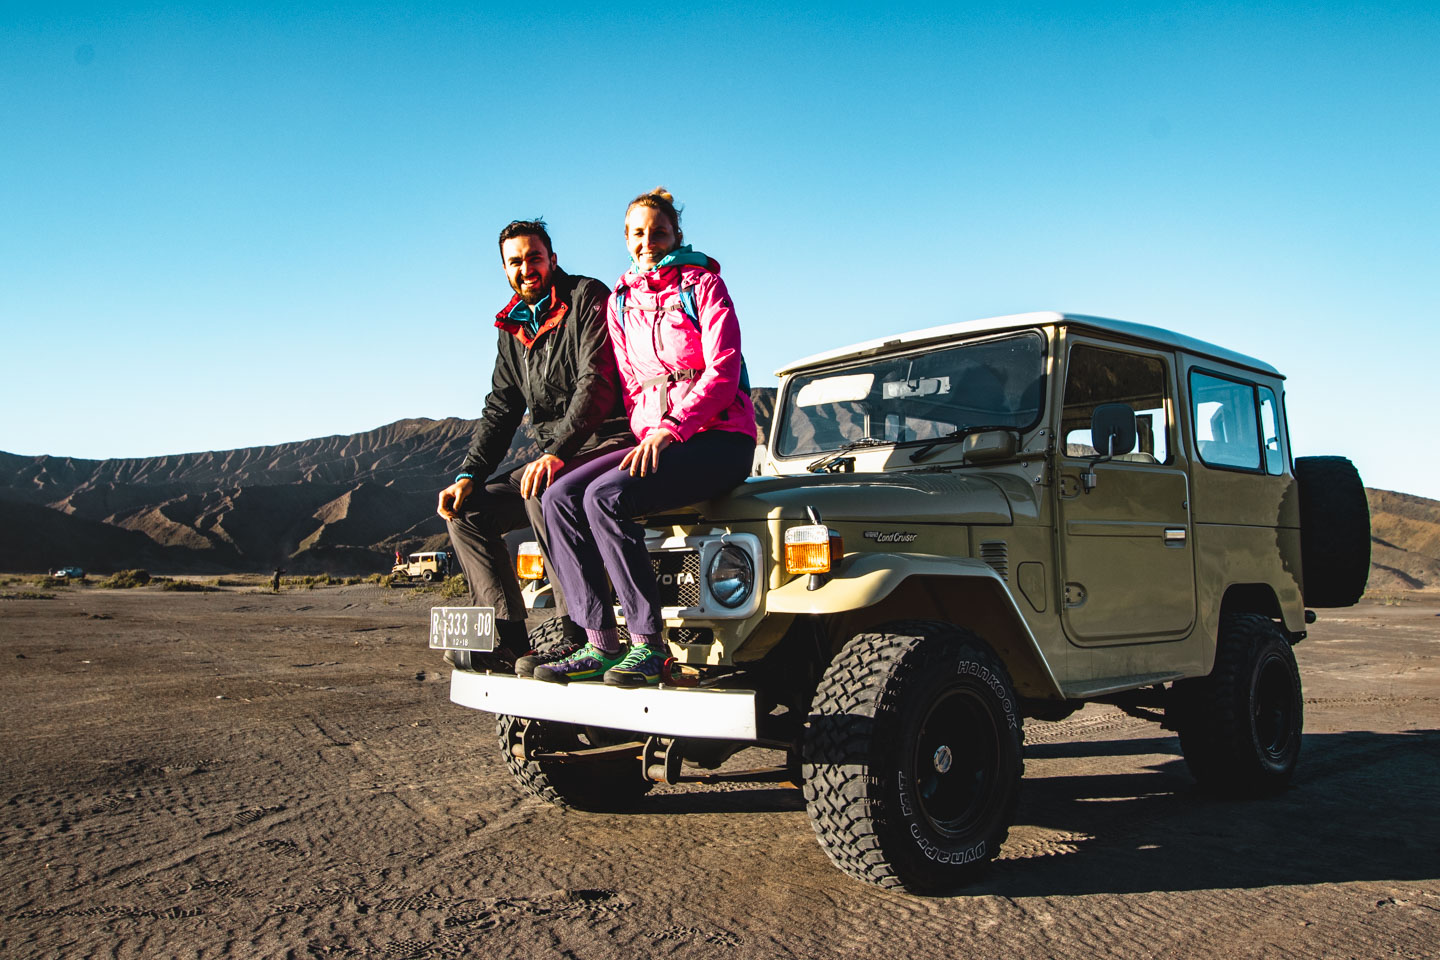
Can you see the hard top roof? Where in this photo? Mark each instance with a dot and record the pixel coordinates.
(1136, 331)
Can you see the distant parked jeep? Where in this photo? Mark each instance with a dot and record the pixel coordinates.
(960, 528)
(427, 566)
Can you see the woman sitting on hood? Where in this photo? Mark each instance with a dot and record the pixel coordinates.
(677, 346)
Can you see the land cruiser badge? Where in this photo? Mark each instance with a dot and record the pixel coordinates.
(899, 536)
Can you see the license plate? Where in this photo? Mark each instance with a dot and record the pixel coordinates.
(462, 628)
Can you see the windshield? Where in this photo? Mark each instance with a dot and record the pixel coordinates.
(915, 397)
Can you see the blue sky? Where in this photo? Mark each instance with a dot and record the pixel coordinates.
(226, 225)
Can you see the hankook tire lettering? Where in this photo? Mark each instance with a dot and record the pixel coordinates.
(996, 687)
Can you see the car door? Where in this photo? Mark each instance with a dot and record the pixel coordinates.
(1125, 532)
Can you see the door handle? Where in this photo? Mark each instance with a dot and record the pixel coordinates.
(1174, 536)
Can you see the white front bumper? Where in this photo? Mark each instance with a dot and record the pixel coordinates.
(667, 711)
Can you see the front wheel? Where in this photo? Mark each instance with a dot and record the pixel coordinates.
(912, 757)
(1240, 727)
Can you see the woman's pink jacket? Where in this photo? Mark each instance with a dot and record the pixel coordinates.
(655, 338)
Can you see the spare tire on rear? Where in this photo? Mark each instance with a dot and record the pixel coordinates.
(1334, 531)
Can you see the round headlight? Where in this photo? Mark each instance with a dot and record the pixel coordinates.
(731, 576)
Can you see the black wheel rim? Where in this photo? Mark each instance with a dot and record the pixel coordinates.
(1274, 713)
(956, 755)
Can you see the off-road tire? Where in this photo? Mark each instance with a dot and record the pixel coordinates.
(1240, 727)
(1334, 531)
(428, 576)
(598, 785)
(912, 757)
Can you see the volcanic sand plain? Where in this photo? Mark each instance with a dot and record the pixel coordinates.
(243, 774)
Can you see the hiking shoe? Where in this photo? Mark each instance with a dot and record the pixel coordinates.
(499, 660)
(525, 666)
(588, 663)
(641, 667)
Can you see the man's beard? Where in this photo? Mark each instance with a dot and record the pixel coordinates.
(535, 294)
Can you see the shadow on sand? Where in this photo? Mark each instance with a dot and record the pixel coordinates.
(1362, 806)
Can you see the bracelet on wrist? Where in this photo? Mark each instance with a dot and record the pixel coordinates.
(464, 476)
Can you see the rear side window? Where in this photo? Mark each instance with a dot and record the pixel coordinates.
(1270, 432)
(1227, 415)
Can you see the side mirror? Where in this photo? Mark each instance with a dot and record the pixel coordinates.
(1112, 429)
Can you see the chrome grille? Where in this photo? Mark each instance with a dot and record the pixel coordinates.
(690, 635)
(677, 573)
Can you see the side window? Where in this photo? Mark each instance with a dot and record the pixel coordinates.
(1270, 432)
(1226, 427)
(1097, 376)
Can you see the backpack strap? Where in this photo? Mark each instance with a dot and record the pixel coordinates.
(674, 376)
(692, 312)
(687, 303)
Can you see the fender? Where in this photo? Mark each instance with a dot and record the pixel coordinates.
(865, 580)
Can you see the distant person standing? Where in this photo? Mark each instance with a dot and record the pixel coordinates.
(275, 580)
(553, 359)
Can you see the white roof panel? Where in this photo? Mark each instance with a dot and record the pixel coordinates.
(968, 328)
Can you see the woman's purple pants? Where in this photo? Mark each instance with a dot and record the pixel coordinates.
(590, 514)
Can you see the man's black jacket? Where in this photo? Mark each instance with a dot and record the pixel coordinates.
(566, 377)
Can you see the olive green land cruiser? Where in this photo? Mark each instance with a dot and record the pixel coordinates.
(957, 529)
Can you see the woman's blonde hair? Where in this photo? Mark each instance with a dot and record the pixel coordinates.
(660, 199)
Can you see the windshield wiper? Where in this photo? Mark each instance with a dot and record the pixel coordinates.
(925, 450)
(822, 463)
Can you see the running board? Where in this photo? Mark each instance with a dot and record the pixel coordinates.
(1088, 690)
(667, 711)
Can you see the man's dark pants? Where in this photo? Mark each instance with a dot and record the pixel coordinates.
(478, 536)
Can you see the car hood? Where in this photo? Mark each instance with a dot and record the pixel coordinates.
(874, 497)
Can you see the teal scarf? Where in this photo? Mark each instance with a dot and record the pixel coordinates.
(679, 257)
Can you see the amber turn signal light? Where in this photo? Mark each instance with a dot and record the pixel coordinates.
(812, 549)
(529, 564)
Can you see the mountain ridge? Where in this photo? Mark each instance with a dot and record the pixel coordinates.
(344, 503)
(341, 503)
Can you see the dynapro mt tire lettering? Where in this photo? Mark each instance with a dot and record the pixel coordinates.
(912, 756)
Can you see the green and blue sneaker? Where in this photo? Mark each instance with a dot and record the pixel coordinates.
(642, 666)
(588, 663)
(525, 666)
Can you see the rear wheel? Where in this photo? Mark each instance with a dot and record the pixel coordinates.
(912, 757)
(1240, 727)
(607, 784)
(428, 576)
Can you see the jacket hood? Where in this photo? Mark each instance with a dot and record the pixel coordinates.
(524, 323)
(684, 256)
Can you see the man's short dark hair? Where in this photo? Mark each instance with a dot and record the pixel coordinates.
(525, 228)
